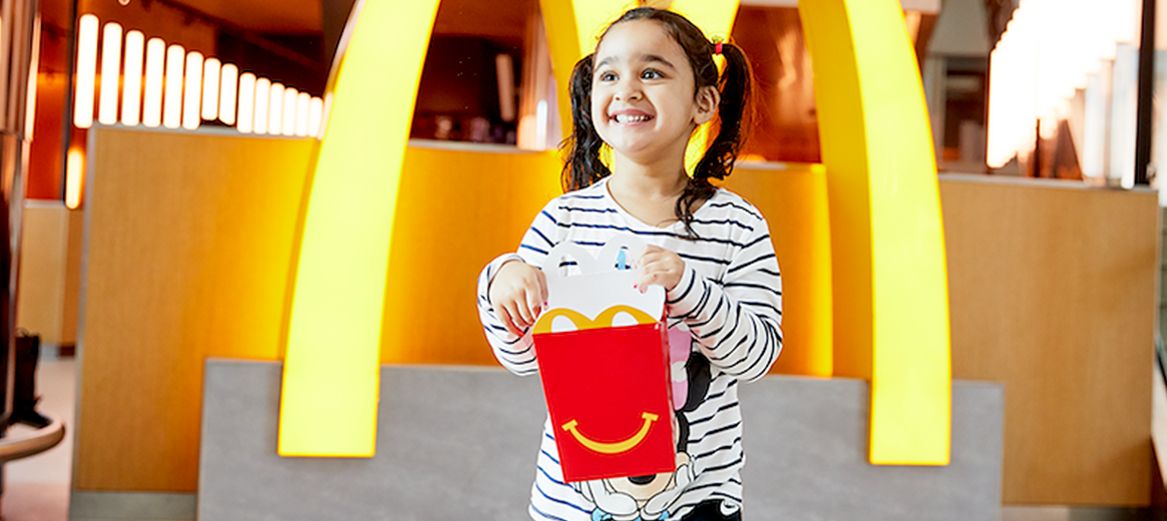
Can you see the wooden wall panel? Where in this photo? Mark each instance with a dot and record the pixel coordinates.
(72, 297)
(1052, 289)
(43, 255)
(187, 244)
(50, 262)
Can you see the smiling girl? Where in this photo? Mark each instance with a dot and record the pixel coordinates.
(650, 83)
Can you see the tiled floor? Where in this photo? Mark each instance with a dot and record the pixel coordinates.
(37, 488)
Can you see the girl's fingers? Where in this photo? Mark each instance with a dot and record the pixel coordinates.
(516, 311)
(646, 280)
(543, 287)
(657, 275)
(524, 313)
(649, 253)
(506, 321)
(534, 304)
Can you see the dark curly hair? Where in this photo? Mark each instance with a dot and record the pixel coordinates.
(583, 167)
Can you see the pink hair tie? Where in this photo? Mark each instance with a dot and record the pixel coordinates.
(717, 48)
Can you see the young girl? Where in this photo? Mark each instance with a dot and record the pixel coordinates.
(651, 81)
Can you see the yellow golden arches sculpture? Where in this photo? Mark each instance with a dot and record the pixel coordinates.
(888, 269)
(328, 401)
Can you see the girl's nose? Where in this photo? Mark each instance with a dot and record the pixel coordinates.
(628, 92)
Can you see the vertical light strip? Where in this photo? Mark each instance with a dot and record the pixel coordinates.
(152, 101)
(504, 67)
(3, 85)
(30, 81)
(315, 115)
(86, 71)
(74, 177)
(290, 102)
(262, 101)
(192, 95)
(541, 122)
(303, 105)
(111, 58)
(132, 84)
(246, 116)
(172, 109)
(211, 69)
(275, 109)
(228, 90)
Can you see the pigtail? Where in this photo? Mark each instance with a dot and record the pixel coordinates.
(582, 166)
(732, 128)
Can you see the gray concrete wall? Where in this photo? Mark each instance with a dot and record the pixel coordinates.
(460, 443)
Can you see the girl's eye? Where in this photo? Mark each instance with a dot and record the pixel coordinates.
(651, 74)
(607, 76)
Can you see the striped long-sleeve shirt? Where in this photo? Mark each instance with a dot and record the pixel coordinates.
(730, 302)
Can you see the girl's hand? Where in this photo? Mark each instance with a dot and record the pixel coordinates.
(659, 266)
(518, 292)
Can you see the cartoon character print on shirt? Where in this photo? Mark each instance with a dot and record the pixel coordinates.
(647, 498)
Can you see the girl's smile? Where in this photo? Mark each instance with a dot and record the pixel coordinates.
(630, 117)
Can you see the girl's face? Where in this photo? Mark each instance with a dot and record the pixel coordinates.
(643, 101)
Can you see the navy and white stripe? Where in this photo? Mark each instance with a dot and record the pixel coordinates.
(729, 298)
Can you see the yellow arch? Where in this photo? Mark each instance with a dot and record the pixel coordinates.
(328, 402)
(889, 279)
(887, 236)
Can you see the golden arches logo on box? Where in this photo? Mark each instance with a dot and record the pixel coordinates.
(889, 276)
(582, 322)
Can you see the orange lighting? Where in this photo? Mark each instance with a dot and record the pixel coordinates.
(86, 71)
(1051, 49)
(228, 83)
(192, 96)
(211, 69)
(290, 96)
(262, 102)
(111, 57)
(275, 109)
(303, 105)
(74, 178)
(315, 115)
(246, 118)
(172, 109)
(132, 86)
(152, 104)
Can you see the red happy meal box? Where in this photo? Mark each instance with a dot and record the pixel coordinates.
(603, 358)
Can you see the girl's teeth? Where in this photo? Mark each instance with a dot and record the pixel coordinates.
(628, 118)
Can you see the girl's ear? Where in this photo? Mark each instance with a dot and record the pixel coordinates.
(708, 99)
